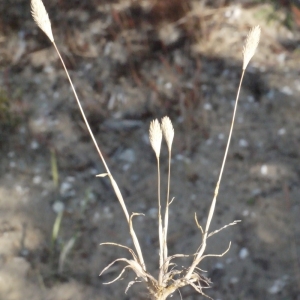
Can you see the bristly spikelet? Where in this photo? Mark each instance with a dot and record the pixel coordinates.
(41, 17)
(155, 136)
(168, 131)
(251, 45)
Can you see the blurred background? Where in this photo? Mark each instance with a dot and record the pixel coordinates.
(133, 61)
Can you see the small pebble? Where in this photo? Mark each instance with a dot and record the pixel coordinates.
(287, 90)
(107, 212)
(277, 286)
(152, 212)
(11, 154)
(255, 192)
(168, 85)
(34, 145)
(65, 188)
(281, 131)
(37, 180)
(243, 143)
(245, 213)
(229, 261)
(56, 95)
(281, 58)
(126, 167)
(127, 155)
(243, 253)
(250, 99)
(94, 171)
(234, 280)
(21, 190)
(208, 142)
(207, 106)
(264, 170)
(179, 157)
(58, 207)
(12, 164)
(221, 136)
(96, 217)
(219, 266)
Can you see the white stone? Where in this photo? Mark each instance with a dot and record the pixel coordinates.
(37, 180)
(243, 253)
(243, 143)
(264, 169)
(58, 207)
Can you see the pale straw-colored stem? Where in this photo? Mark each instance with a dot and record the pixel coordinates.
(160, 226)
(168, 133)
(41, 18)
(113, 182)
(83, 114)
(248, 52)
(213, 204)
(166, 223)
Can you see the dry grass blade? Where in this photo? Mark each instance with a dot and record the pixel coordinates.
(251, 45)
(41, 17)
(129, 220)
(198, 225)
(218, 230)
(131, 264)
(135, 240)
(217, 255)
(121, 246)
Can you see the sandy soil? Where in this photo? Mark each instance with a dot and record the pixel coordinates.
(132, 62)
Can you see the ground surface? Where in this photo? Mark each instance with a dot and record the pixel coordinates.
(132, 63)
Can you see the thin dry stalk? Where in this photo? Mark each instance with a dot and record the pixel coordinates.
(155, 136)
(41, 18)
(168, 132)
(249, 50)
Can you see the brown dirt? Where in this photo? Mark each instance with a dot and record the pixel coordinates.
(132, 62)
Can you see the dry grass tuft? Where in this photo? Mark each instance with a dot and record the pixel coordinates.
(170, 276)
(41, 17)
(155, 136)
(251, 45)
(168, 131)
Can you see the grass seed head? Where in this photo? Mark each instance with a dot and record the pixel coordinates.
(155, 136)
(251, 45)
(168, 131)
(41, 17)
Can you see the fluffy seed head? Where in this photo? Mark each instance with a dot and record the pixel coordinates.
(168, 131)
(41, 17)
(155, 136)
(251, 45)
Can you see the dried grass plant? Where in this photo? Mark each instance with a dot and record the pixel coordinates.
(170, 278)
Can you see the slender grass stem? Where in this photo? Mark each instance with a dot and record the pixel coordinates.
(160, 226)
(166, 222)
